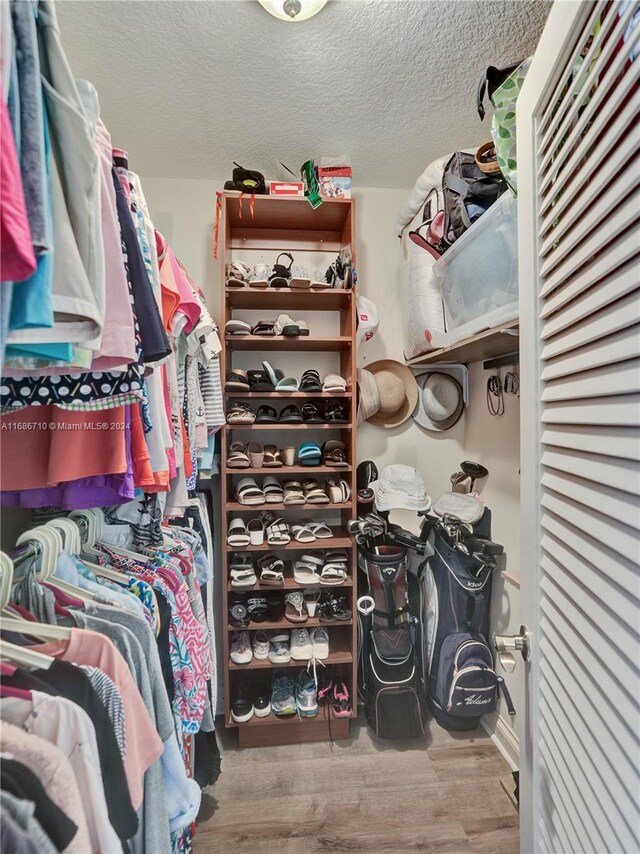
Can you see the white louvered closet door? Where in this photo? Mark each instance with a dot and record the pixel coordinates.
(579, 238)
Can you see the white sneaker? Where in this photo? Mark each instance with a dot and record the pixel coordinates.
(301, 646)
(279, 652)
(261, 645)
(240, 648)
(320, 643)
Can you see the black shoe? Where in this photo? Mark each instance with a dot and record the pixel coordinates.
(257, 608)
(275, 606)
(262, 700)
(241, 710)
(238, 614)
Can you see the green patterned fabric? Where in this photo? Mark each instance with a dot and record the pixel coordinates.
(503, 124)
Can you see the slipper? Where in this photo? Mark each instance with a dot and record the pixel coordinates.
(256, 454)
(314, 493)
(334, 383)
(273, 491)
(339, 491)
(237, 327)
(320, 530)
(237, 458)
(287, 384)
(248, 492)
(300, 278)
(265, 328)
(294, 607)
(319, 281)
(312, 413)
(284, 325)
(240, 413)
(310, 381)
(266, 415)
(259, 381)
(309, 454)
(305, 573)
(293, 492)
(278, 533)
(279, 277)
(243, 577)
(259, 278)
(274, 374)
(333, 454)
(290, 415)
(272, 457)
(303, 327)
(302, 533)
(237, 535)
(271, 570)
(255, 529)
(237, 381)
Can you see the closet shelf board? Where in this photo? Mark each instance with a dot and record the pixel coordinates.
(311, 623)
(287, 299)
(340, 654)
(291, 584)
(236, 507)
(279, 426)
(289, 470)
(498, 341)
(342, 541)
(302, 344)
(284, 395)
(283, 213)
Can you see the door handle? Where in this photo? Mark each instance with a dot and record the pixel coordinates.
(506, 645)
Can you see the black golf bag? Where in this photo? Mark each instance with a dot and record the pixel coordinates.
(390, 674)
(462, 684)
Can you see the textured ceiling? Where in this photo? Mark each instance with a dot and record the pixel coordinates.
(187, 87)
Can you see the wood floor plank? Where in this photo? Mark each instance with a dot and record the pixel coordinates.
(494, 835)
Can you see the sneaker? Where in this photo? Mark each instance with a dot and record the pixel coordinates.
(279, 652)
(306, 696)
(320, 643)
(241, 710)
(240, 648)
(262, 706)
(261, 646)
(301, 646)
(281, 635)
(283, 700)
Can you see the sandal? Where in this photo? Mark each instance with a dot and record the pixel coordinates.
(238, 535)
(248, 492)
(294, 607)
(237, 274)
(266, 328)
(320, 530)
(314, 493)
(272, 457)
(240, 413)
(333, 574)
(284, 325)
(334, 383)
(273, 491)
(336, 413)
(256, 454)
(333, 608)
(305, 573)
(287, 384)
(290, 415)
(300, 278)
(266, 415)
(310, 381)
(259, 278)
(319, 281)
(271, 570)
(255, 530)
(312, 413)
(259, 381)
(245, 577)
(237, 381)
(339, 491)
(237, 457)
(310, 454)
(339, 700)
(302, 533)
(280, 275)
(311, 599)
(278, 533)
(237, 327)
(293, 492)
(333, 454)
(257, 608)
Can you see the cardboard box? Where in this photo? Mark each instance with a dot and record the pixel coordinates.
(335, 183)
(286, 188)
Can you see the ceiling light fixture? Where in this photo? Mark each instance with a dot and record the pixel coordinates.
(293, 10)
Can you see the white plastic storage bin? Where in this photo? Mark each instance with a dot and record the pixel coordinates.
(478, 275)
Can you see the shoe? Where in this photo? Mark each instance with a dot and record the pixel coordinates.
(332, 608)
(279, 651)
(241, 710)
(275, 606)
(320, 643)
(283, 699)
(339, 701)
(301, 646)
(238, 614)
(306, 696)
(261, 646)
(240, 648)
(262, 706)
(257, 607)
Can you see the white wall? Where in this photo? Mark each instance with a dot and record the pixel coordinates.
(184, 211)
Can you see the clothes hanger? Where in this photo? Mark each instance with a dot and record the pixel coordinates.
(71, 545)
(99, 518)
(24, 656)
(19, 654)
(86, 523)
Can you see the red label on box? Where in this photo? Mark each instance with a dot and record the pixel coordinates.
(286, 188)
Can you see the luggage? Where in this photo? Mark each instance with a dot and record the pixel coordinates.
(390, 675)
(468, 192)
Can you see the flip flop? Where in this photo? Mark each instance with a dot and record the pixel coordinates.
(266, 415)
(259, 381)
(290, 415)
(305, 573)
(294, 607)
(272, 457)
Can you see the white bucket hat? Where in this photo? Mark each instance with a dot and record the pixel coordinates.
(440, 402)
(401, 487)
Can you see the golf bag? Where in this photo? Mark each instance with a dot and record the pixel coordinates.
(462, 684)
(390, 676)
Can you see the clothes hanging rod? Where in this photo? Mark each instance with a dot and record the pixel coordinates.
(502, 361)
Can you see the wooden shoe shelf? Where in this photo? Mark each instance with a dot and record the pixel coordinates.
(272, 225)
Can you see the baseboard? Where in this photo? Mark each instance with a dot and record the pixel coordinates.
(505, 739)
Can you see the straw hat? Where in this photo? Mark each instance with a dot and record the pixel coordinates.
(441, 402)
(388, 393)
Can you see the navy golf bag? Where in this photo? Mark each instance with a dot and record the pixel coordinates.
(390, 675)
(462, 684)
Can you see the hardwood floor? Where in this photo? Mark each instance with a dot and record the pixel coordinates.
(439, 794)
